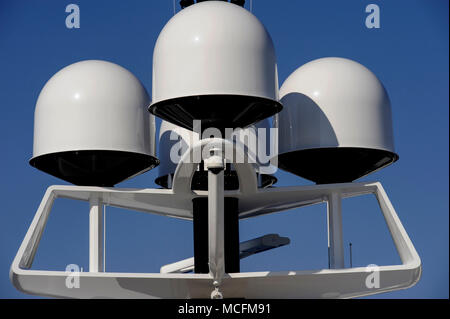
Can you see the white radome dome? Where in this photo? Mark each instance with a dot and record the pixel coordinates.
(214, 61)
(91, 125)
(336, 125)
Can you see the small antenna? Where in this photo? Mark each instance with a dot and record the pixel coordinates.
(329, 265)
(104, 238)
(351, 257)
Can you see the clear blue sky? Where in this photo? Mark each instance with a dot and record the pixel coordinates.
(409, 53)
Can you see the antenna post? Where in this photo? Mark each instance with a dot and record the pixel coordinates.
(216, 220)
(95, 234)
(335, 242)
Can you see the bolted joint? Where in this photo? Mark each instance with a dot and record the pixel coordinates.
(216, 294)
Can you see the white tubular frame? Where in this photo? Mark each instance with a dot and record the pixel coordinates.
(335, 236)
(96, 261)
(177, 202)
(246, 249)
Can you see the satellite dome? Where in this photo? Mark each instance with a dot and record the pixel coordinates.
(92, 127)
(174, 141)
(214, 61)
(336, 125)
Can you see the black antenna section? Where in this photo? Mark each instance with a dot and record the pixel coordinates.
(187, 3)
(351, 257)
(329, 264)
(238, 2)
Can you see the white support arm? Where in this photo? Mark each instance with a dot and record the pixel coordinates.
(246, 249)
(96, 235)
(335, 242)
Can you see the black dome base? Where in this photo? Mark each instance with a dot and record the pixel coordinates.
(219, 111)
(335, 165)
(94, 167)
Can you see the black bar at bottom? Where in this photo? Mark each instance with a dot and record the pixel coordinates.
(200, 212)
(231, 235)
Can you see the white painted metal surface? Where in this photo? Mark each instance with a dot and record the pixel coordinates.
(216, 218)
(334, 102)
(96, 238)
(174, 141)
(214, 47)
(175, 202)
(93, 105)
(179, 267)
(335, 241)
(246, 249)
(321, 283)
